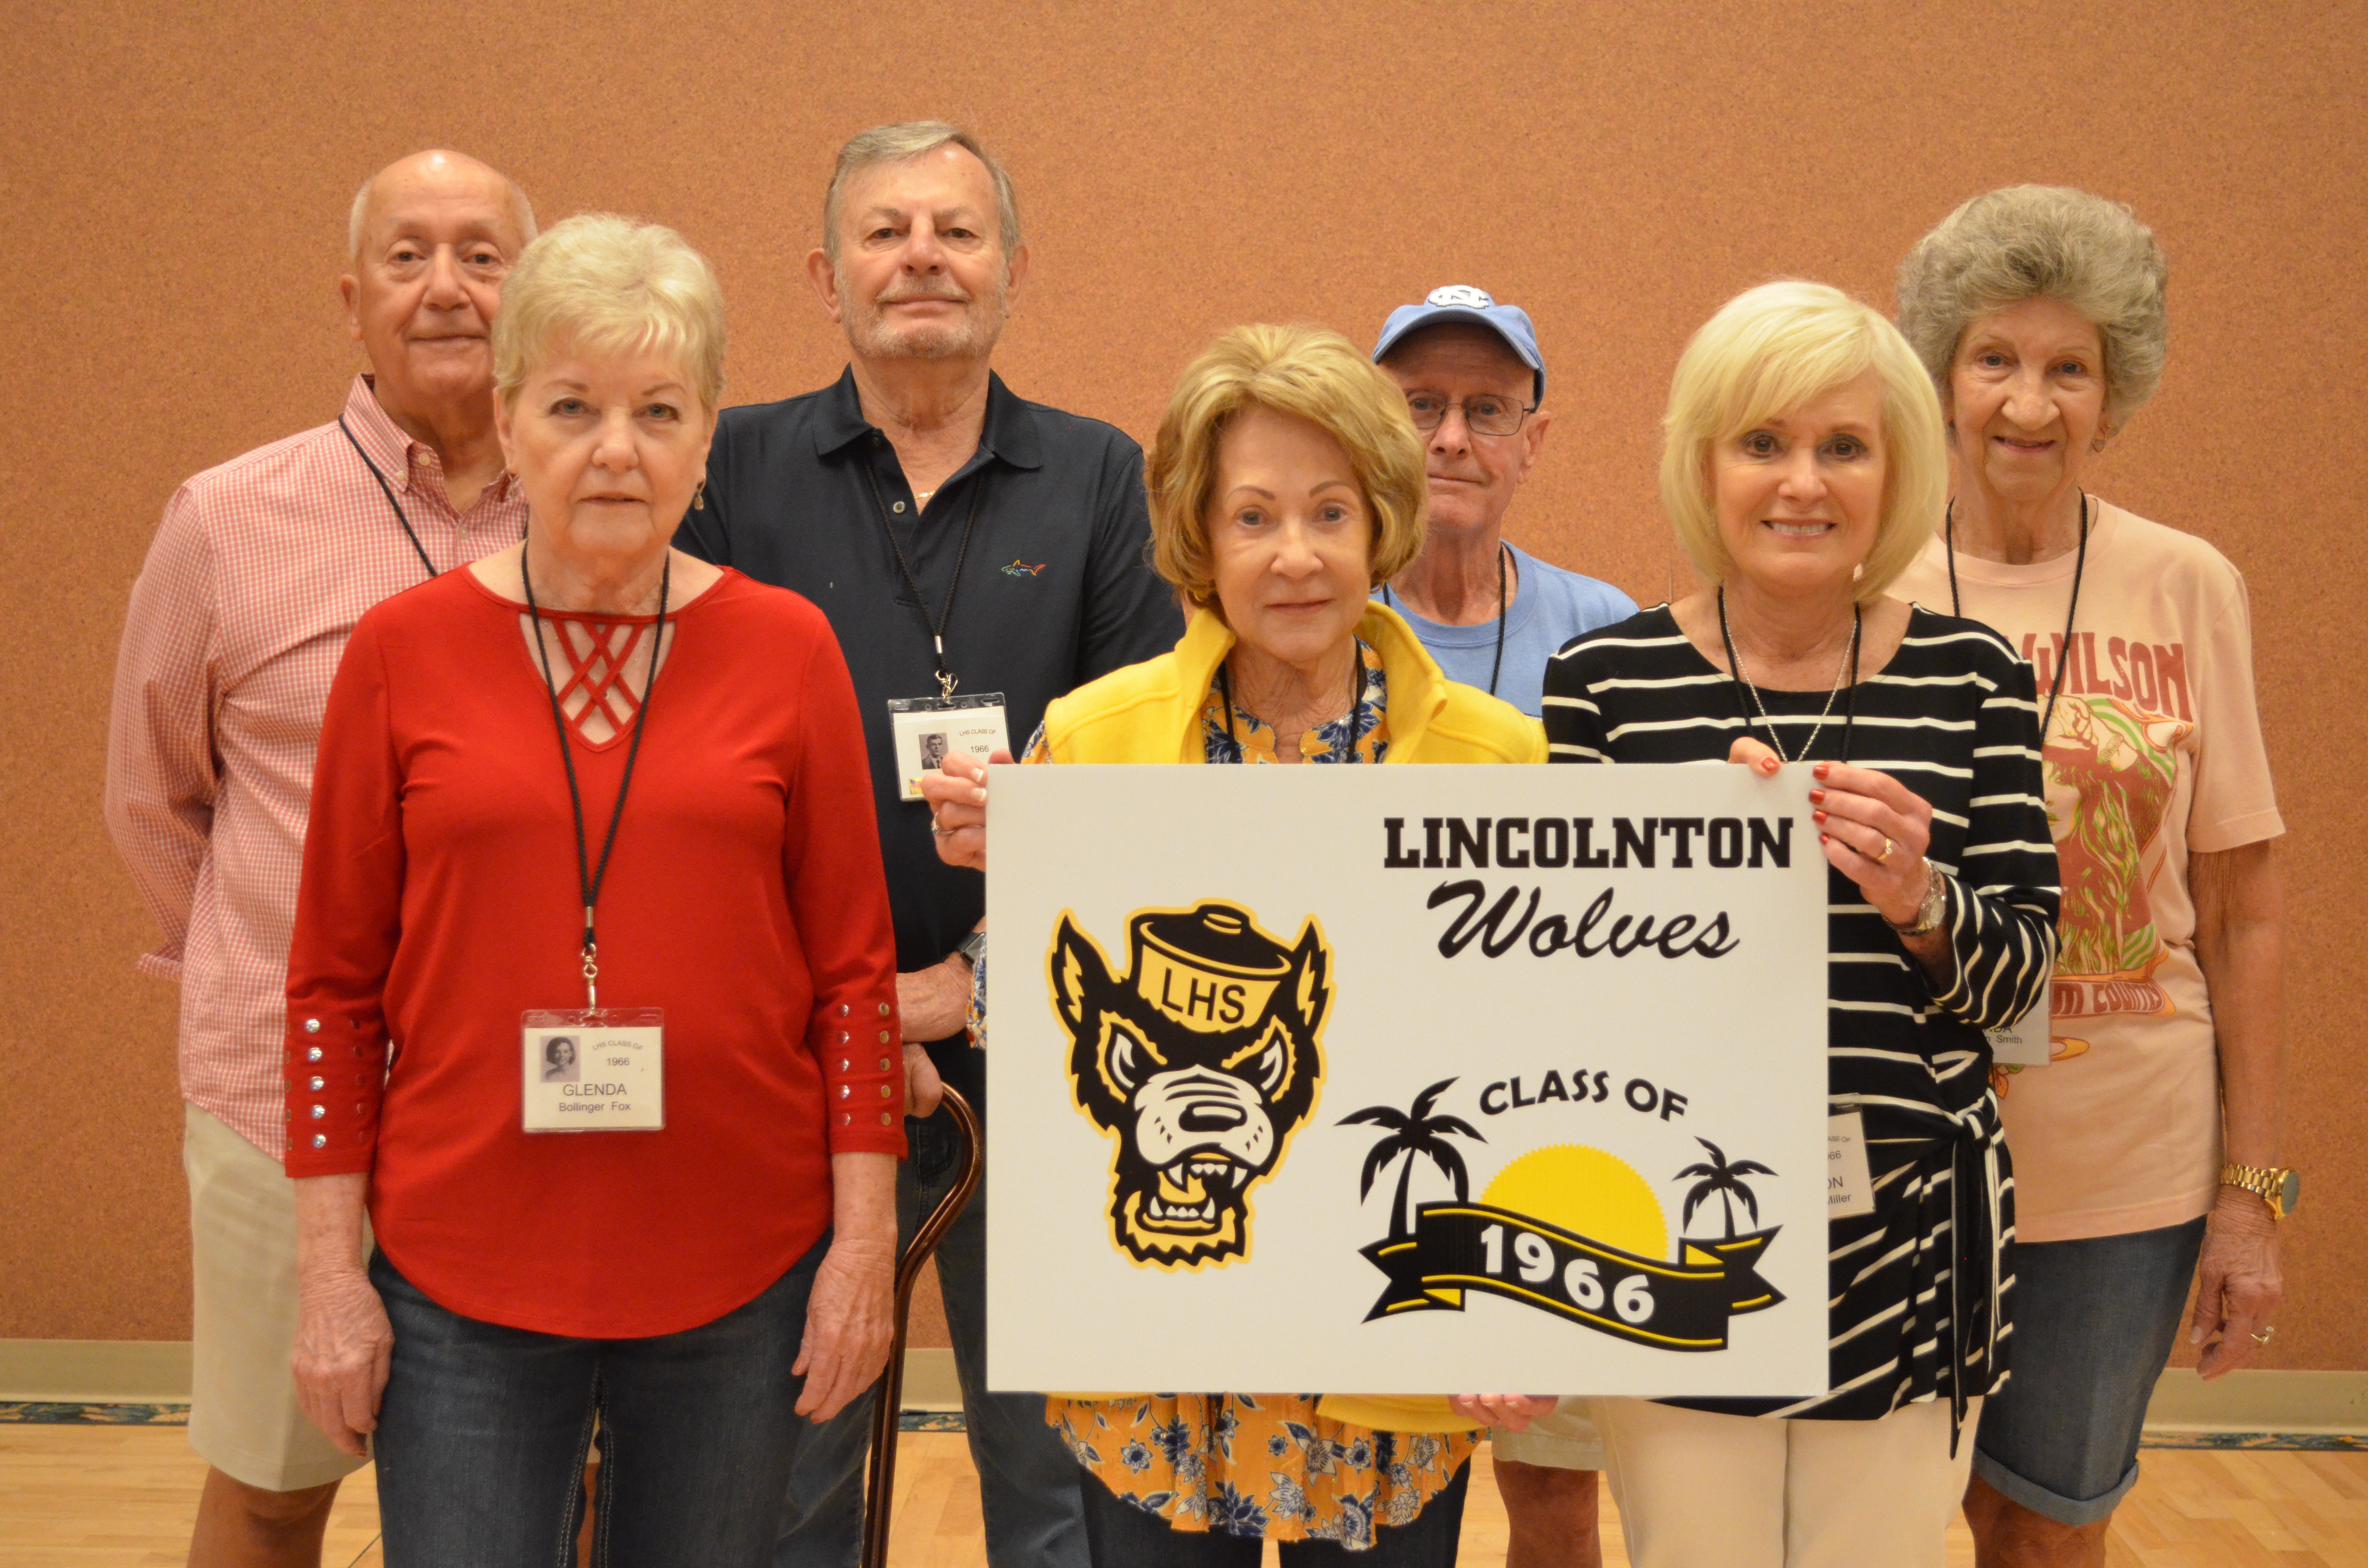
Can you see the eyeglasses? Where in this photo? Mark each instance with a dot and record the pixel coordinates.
(1482, 415)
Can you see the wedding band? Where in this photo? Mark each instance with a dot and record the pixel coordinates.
(1887, 847)
(2268, 1331)
(940, 832)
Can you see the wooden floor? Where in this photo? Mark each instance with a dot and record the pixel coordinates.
(122, 1497)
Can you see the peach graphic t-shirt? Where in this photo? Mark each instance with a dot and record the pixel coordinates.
(2154, 754)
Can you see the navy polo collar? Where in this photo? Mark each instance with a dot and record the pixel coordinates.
(1009, 435)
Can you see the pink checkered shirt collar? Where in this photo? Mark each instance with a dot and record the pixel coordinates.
(406, 463)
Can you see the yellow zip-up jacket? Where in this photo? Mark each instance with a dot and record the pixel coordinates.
(1151, 712)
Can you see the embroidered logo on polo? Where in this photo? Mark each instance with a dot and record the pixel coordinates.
(1202, 1061)
(1022, 569)
(1567, 1228)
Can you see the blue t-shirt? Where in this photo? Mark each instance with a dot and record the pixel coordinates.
(1550, 608)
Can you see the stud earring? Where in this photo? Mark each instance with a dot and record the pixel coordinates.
(698, 496)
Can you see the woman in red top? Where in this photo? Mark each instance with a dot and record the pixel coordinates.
(592, 993)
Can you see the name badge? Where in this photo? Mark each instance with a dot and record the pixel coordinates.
(2025, 1042)
(1849, 1191)
(928, 729)
(601, 1071)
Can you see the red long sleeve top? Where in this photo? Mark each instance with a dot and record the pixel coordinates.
(441, 903)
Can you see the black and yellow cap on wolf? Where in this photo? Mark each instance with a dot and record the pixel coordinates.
(1208, 967)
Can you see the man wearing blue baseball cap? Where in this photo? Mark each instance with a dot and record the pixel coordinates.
(1490, 614)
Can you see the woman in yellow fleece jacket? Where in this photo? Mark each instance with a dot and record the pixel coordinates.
(1286, 480)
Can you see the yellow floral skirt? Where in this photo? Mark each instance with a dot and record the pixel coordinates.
(1257, 1464)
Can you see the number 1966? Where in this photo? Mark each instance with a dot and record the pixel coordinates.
(1630, 1294)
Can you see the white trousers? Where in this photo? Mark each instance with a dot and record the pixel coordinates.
(1701, 1491)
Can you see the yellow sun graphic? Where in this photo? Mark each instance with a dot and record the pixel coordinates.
(1582, 1188)
(1574, 1185)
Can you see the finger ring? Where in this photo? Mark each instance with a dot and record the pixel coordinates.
(2268, 1332)
(1887, 847)
(940, 832)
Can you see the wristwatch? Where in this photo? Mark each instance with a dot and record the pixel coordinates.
(971, 946)
(2277, 1185)
(1929, 914)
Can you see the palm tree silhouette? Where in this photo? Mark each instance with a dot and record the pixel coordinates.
(1414, 1133)
(1724, 1179)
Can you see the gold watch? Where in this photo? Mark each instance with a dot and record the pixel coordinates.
(2276, 1186)
(1933, 910)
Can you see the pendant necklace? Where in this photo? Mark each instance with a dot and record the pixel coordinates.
(1846, 674)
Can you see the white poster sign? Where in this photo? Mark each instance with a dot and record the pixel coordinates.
(1407, 1080)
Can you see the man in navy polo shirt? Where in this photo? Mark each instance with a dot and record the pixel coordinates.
(1490, 614)
(969, 547)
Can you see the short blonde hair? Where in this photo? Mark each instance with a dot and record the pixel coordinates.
(609, 285)
(1769, 350)
(2026, 241)
(1319, 375)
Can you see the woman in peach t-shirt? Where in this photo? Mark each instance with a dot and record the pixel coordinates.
(2039, 312)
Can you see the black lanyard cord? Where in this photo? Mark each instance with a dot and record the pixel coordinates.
(2079, 569)
(388, 490)
(1496, 665)
(944, 618)
(587, 879)
(1356, 698)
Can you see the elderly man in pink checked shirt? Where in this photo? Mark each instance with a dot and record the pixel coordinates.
(256, 578)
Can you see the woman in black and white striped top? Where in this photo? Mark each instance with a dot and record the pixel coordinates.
(1804, 469)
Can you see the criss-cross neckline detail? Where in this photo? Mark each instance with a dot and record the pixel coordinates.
(597, 672)
(595, 678)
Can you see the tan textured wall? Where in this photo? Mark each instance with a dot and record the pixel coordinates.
(175, 193)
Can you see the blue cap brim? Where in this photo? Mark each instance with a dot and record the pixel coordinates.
(1409, 319)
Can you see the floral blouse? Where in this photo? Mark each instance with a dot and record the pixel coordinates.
(1257, 1464)
(1251, 739)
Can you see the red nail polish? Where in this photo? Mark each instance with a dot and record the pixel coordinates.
(1820, 769)
(1817, 795)
(1819, 816)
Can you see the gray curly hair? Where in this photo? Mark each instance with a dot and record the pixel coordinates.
(2025, 241)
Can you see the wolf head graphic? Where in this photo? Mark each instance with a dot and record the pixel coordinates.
(1202, 1059)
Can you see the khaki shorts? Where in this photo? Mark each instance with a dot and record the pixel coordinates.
(244, 1419)
(1563, 1441)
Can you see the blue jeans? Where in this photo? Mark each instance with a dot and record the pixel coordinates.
(1028, 1484)
(1125, 1536)
(2094, 1320)
(483, 1433)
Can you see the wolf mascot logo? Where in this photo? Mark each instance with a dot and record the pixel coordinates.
(1203, 1061)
